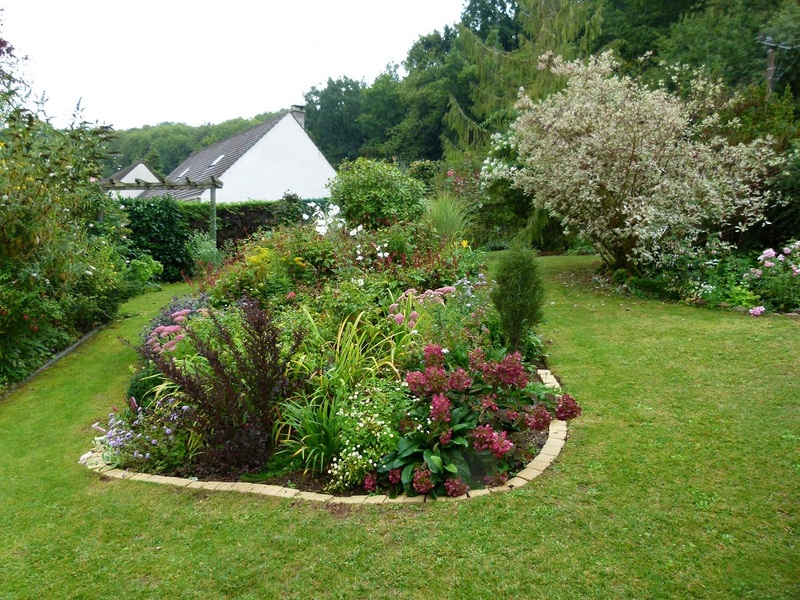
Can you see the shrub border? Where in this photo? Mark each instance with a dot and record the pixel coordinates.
(555, 442)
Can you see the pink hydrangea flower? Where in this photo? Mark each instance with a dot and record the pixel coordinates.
(440, 408)
(454, 487)
(567, 408)
(423, 481)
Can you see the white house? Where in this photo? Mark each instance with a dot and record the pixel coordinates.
(133, 174)
(262, 163)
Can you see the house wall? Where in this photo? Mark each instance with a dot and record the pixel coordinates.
(285, 159)
(140, 171)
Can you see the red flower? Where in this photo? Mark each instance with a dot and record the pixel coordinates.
(538, 419)
(455, 487)
(567, 408)
(423, 481)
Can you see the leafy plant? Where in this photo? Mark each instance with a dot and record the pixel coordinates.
(236, 382)
(376, 194)
(158, 228)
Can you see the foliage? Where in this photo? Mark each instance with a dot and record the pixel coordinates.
(234, 381)
(376, 194)
(332, 118)
(449, 217)
(158, 229)
(777, 278)
(628, 170)
(236, 221)
(62, 241)
(160, 438)
(203, 252)
(463, 422)
(370, 418)
(518, 294)
(310, 428)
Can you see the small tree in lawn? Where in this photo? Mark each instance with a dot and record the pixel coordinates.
(636, 171)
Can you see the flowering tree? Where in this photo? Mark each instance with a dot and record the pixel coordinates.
(634, 170)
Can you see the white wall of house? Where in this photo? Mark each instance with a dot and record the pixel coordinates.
(284, 160)
(140, 171)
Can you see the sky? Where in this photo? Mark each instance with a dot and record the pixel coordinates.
(193, 61)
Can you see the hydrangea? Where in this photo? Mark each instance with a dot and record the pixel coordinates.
(567, 408)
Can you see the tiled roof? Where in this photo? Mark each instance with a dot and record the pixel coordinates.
(214, 160)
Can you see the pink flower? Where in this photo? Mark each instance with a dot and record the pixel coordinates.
(769, 263)
(446, 437)
(399, 318)
(538, 419)
(371, 482)
(795, 271)
(757, 311)
(395, 476)
(440, 408)
(291, 296)
(486, 438)
(433, 354)
(567, 408)
(459, 380)
(787, 251)
(455, 487)
(768, 253)
(435, 380)
(416, 381)
(489, 403)
(423, 481)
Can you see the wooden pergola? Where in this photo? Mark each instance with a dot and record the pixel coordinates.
(212, 183)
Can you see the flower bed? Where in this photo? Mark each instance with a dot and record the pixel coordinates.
(317, 354)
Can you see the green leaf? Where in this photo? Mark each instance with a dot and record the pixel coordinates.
(451, 467)
(434, 461)
(406, 447)
(407, 475)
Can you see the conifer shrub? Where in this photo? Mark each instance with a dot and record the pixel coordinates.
(518, 294)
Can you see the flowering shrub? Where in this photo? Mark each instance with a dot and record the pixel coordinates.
(635, 170)
(777, 278)
(163, 437)
(462, 423)
(369, 422)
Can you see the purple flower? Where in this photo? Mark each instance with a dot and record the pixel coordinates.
(768, 253)
(757, 311)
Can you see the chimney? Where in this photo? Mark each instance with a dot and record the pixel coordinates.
(299, 113)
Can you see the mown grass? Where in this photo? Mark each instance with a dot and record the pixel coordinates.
(680, 480)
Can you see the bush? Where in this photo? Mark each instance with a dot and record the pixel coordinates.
(777, 278)
(237, 221)
(159, 230)
(235, 382)
(519, 293)
(375, 194)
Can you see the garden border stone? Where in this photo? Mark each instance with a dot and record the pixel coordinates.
(556, 439)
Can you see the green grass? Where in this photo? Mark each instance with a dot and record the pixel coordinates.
(680, 480)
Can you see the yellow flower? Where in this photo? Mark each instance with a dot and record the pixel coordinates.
(464, 244)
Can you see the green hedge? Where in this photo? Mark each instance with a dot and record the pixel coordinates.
(239, 220)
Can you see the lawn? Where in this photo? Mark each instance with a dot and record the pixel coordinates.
(679, 480)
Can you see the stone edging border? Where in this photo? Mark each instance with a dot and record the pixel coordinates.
(555, 442)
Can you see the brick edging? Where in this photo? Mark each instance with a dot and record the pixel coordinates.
(552, 448)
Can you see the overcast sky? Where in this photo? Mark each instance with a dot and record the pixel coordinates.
(192, 61)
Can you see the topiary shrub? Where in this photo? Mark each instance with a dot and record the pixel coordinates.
(518, 294)
(376, 194)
